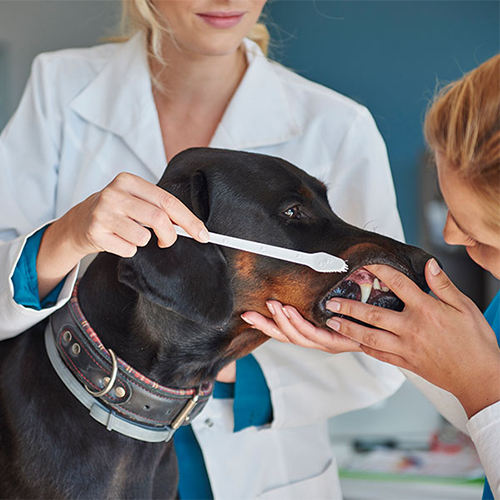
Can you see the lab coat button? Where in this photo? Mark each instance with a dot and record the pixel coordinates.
(209, 422)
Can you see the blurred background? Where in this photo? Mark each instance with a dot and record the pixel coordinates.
(387, 55)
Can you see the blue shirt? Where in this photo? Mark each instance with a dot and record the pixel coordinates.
(252, 407)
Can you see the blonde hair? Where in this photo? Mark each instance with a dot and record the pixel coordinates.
(142, 15)
(463, 124)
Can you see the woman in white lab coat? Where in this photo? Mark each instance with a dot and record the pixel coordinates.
(443, 339)
(88, 115)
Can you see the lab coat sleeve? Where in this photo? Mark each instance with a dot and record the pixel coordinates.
(29, 157)
(445, 402)
(484, 429)
(309, 386)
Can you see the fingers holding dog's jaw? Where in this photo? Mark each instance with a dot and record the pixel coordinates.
(289, 326)
(402, 286)
(320, 338)
(283, 320)
(265, 325)
(381, 340)
(372, 315)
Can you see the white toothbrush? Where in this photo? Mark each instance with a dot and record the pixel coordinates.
(319, 261)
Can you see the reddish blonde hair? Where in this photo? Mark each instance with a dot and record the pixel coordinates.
(463, 124)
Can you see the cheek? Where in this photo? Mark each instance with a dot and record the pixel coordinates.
(297, 289)
(486, 257)
(255, 9)
(256, 282)
(451, 234)
(172, 11)
(489, 258)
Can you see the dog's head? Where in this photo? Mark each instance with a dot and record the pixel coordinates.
(268, 200)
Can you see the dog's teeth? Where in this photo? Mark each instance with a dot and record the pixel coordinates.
(376, 284)
(384, 288)
(366, 290)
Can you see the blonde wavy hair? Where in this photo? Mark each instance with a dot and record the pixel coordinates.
(142, 15)
(463, 124)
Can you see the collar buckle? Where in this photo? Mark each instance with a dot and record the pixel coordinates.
(183, 415)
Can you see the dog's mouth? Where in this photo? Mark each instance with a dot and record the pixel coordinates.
(363, 286)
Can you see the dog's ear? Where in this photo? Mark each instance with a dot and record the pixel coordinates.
(200, 195)
(189, 278)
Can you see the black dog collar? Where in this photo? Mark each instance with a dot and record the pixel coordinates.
(116, 394)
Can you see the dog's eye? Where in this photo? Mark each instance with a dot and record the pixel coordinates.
(293, 212)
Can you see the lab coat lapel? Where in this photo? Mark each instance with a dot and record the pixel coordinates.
(259, 113)
(120, 100)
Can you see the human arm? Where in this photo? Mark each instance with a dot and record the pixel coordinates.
(113, 221)
(484, 430)
(444, 339)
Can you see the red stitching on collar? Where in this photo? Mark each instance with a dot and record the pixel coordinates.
(94, 338)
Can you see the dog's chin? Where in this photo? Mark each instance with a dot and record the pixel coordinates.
(362, 286)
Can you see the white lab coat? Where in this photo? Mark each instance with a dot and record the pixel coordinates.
(88, 114)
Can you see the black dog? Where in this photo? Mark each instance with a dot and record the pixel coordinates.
(174, 316)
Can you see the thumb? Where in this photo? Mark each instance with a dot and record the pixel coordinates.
(440, 284)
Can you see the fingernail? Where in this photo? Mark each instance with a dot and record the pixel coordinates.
(434, 267)
(285, 312)
(271, 308)
(204, 236)
(333, 324)
(333, 305)
(246, 320)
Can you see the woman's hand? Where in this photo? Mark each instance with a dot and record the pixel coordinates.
(289, 326)
(114, 220)
(445, 340)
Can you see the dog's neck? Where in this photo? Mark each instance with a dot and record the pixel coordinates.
(155, 341)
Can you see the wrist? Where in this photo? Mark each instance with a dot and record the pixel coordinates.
(481, 392)
(57, 256)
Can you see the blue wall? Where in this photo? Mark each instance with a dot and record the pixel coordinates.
(388, 55)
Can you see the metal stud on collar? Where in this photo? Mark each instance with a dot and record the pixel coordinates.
(110, 381)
